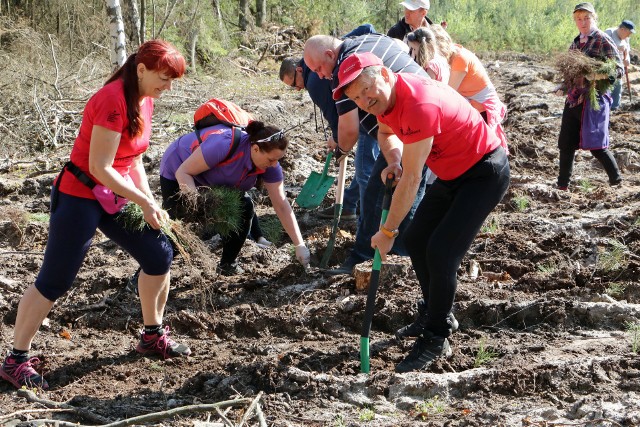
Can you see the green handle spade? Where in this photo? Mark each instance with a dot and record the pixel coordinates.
(373, 284)
(337, 211)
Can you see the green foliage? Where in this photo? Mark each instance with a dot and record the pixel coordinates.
(521, 202)
(429, 407)
(585, 186)
(484, 354)
(271, 228)
(366, 414)
(39, 217)
(217, 209)
(616, 289)
(633, 329)
(614, 257)
(548, 267)
(492, 225)
(338, 421)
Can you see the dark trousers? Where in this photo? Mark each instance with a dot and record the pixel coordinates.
(569, 142)
(444, 226)
(73, 224)
(231, 244)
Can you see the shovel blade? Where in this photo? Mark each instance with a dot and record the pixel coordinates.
(314, 190)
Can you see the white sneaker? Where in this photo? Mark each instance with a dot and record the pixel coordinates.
(263, 243)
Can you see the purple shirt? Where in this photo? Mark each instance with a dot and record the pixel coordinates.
(238, 171)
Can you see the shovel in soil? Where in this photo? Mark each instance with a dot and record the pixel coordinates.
(373, 284)
(337, 211)
(316, 187)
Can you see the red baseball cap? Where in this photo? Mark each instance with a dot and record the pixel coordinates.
(351, 68)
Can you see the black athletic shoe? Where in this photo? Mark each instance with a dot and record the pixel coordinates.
(329, 212)
(415, 329)
(425, 350)
(229, 269)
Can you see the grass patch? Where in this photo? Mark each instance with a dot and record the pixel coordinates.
(484, 354)
(521, 203)
(585, 186)
(633, 329)
(366, 414)
(41, 217)
(491, 226)
(614, 257)
(548, 267)
(429, 408)
(616, 289)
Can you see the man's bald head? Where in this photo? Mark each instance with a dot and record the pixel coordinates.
(321, 54)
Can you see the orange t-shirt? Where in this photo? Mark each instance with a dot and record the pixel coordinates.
(107, 108)
(476, 78)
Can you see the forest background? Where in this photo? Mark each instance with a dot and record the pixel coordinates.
(54, 53)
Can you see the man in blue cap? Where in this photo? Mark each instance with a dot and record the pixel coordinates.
(620, 37)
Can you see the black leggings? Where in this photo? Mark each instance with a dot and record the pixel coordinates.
(444, 226)
(568, 143)
(231, 244)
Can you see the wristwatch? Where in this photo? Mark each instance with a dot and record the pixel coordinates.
(389, 233)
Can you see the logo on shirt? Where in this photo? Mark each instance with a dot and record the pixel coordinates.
(408, 131)
(113, 116)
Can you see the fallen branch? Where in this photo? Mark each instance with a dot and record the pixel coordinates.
(29, 411)
(83, 413)
(250, 409)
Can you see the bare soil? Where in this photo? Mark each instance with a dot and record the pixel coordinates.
(548, 293)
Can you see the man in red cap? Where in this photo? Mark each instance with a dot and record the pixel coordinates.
(429, 122)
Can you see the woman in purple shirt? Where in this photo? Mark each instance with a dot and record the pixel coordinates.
(186, 165)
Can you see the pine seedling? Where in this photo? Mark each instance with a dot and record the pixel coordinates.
(633, 329)
(484, 355)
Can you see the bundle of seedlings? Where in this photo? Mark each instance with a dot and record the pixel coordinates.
(187, 243)
(575, 68)
(214, 209)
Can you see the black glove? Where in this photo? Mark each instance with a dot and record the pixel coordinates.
(339, 154)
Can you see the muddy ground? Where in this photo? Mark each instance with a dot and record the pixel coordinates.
(547, 298)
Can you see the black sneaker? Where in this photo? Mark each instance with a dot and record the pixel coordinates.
(21, 373)
(132, 282)
(162, 345)
(328, 213)
(425, 350)
(345, 268)
(415, 329)
(229, 269)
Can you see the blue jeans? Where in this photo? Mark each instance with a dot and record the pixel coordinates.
(616, 94)
(369, 223)
(367, 152)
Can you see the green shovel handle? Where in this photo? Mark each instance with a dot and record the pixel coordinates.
(327, 163)
(373, 284)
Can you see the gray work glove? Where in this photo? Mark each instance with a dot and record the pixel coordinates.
(303, 255)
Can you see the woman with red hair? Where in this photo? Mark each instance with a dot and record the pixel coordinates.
(105, 168)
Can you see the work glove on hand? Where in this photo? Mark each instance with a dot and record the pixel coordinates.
(303, 255)
(339, 154)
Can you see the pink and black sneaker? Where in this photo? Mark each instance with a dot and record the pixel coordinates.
(161, 344)
(22, 373)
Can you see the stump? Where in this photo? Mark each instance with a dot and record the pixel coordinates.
(390, 270)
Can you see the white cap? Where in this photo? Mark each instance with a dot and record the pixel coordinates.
(416, 4)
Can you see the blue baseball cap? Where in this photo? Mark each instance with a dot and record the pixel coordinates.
(628, 25)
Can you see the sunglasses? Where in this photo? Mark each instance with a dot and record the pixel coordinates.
(278, 135)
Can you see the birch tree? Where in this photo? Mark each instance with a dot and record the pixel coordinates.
(133, 22)
(116, 31)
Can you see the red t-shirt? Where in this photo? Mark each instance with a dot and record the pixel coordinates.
(107, 108)
(426, 108)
